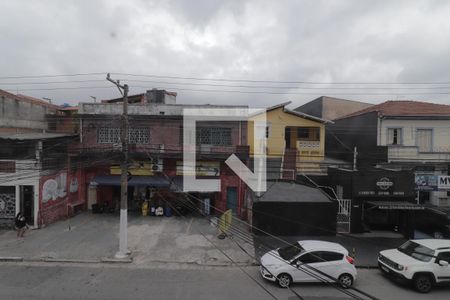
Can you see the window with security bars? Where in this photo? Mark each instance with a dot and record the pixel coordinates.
(138, 136)
(111, 135)
(214, 136)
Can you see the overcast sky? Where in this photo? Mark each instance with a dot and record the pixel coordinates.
(296, 41)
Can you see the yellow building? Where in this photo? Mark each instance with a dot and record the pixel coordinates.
(295, 141)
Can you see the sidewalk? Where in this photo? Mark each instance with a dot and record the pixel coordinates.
(152, 240)
(365, 246)
(161, 240)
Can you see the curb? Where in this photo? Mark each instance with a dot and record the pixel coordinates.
(11, 258)
(64, 260)
(116, 260)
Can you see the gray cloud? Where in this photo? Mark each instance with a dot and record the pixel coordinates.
(333, 41)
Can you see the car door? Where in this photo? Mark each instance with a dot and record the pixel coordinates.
(332, 263)
(442, 272)
(307, 263)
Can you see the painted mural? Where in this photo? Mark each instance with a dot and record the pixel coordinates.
(54, 188)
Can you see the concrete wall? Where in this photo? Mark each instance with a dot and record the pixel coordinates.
(360, 131)
(441, 132)
(330, 108)
(334, 108)
(16, 112)
(152, 109)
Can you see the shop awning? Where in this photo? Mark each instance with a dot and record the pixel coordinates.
(396, 205)
(153, 181)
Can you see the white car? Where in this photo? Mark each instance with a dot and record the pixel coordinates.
(421, 262)
(308, 261)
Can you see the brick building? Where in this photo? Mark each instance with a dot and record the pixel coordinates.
(155, 154)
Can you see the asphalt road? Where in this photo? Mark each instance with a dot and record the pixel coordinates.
(56, 281)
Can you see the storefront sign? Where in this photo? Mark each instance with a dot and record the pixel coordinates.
(202, 168)
(140, 168)
(426, 182)
(432, 183)
(400, 207)
(384, 183)
(444, 183)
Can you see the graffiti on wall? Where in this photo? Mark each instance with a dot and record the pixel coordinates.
(54, 188)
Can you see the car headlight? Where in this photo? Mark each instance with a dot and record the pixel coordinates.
(400, 267)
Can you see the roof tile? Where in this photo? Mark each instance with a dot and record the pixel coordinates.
(405, 108)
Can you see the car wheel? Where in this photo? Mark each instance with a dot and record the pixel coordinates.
(345, 280)
(423, 283)
(284, 280)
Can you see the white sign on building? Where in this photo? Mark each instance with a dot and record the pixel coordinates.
(444, 183)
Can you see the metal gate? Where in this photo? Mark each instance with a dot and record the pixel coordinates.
(343, 216)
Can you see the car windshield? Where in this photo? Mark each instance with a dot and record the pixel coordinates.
(291, 251)
(417, 251)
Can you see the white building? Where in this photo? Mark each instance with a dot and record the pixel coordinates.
(406, 135)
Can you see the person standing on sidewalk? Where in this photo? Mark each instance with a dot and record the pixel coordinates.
(21, 225)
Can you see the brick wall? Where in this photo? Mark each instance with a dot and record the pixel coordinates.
(161, 131)
(53, 198)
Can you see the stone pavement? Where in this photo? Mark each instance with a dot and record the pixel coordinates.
(89, 238)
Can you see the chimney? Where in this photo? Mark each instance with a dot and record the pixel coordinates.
(160, 97)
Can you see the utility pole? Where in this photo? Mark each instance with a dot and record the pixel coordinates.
(355, 154)
(123, 239)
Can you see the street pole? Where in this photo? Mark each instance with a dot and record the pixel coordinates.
(355, 154)
(123, 239)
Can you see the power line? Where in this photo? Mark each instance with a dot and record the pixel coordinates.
(309, 272)
(227, 256)
(269, 81)
(225, 79)
(231, 85)
(240, 91)
(260, 230)
(52, 75)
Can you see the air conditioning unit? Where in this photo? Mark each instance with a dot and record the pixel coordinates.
(161, 148)
(156, 164)
(204, 148)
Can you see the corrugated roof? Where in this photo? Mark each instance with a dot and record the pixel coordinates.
(283, 191)
(33, 136)
(405, 108)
